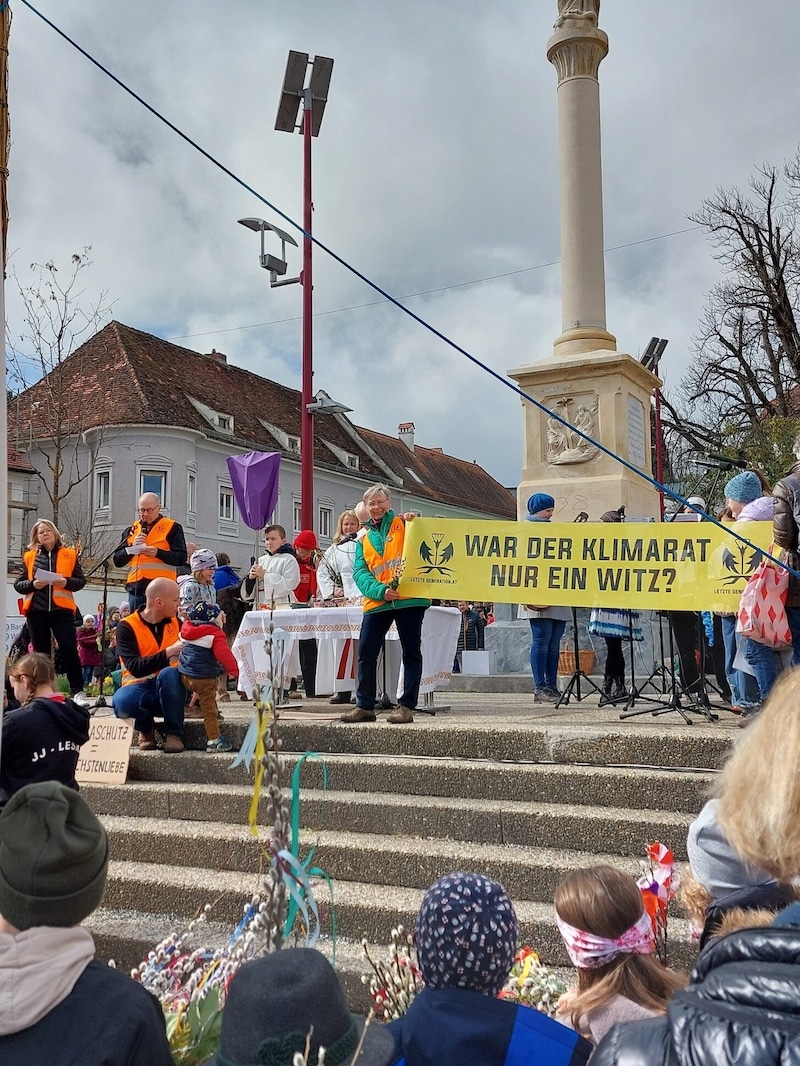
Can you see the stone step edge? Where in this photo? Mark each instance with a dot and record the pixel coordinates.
(348, 893)
(531, 856)
(425, 762)
(679, 819)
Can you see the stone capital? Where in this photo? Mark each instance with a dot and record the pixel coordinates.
(577, 52)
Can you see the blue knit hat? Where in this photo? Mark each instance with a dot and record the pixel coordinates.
(540, 501)
(744, 487)
(466, 934)
(204, 612)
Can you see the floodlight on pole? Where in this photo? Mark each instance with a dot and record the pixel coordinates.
(650, 360)
(276, 267)
(312, 93)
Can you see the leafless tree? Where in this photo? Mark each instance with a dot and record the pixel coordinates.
(48, 416)
(746, 370)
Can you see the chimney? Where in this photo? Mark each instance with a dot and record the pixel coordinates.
(218, 357)
(405, 432)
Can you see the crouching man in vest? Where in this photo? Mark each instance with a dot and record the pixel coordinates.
(148, 644)
(376, 572)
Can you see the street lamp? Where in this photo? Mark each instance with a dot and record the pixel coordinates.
(308, 88)
(274, 265)
(651, 360)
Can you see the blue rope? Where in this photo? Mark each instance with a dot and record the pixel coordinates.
(402, 307)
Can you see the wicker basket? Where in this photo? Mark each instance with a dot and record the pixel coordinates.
(566, 661)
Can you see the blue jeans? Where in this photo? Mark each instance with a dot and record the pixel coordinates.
(136, 600)
(766, 665)
(546, 634)
(374, 627)
(162, 695)
(744, 687)
(793, 618)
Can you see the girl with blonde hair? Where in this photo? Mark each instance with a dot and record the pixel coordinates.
(609, 939)
(759, 807)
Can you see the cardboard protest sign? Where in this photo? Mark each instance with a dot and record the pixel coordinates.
(105, 756)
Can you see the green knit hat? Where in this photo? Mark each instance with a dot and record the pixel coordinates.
(53, 857)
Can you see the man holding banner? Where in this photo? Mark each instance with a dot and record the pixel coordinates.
(377, 571)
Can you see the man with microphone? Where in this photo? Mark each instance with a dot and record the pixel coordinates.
(154, 546)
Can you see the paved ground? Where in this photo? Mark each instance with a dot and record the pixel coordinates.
(499, 708)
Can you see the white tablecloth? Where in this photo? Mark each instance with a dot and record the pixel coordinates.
(439, 639)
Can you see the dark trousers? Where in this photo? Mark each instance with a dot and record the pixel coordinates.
(62, 625)
(308, 666)
(374, 627)
(684, 631)
(615, 660)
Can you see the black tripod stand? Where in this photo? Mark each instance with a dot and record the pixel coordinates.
(574, 684)
(636, 694)
(696, 694)
(105, 563)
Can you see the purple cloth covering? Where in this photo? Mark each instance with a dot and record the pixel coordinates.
(254, 477)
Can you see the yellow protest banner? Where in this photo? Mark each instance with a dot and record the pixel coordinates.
(679, 566)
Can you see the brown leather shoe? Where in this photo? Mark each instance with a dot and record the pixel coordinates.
(193, 712)
(400, 715)
(358, 714)
(147, 742)
(173, 744)
(340, 697)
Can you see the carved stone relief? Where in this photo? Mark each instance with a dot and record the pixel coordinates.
(564, 445)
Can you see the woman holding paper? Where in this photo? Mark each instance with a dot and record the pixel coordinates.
(49, 574)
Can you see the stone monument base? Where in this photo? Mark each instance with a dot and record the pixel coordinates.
(607, 395)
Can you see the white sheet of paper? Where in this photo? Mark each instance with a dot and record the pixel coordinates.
(47, 576)
(136, 549)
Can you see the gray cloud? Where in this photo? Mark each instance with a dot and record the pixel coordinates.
(436, 164)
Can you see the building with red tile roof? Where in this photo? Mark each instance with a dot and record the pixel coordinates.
(146, 414)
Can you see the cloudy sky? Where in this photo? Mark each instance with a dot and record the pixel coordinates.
(435, 175)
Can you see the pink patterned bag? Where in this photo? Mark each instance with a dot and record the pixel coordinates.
(762, 610)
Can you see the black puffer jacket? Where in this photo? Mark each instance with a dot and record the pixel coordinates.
(743, 1007)
(786, 527)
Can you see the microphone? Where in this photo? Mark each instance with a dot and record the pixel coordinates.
(742, 464)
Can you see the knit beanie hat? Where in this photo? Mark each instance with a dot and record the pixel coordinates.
(713, 861)
(305, 539)
(610, 516)
(202, 559)
(466, 934)
(540, 501)
(204, 612)
(744, 487)
(53, 857)
(278, 1002)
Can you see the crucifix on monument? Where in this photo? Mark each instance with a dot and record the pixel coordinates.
(602, 392)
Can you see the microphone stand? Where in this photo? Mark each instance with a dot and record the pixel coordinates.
(104, 562)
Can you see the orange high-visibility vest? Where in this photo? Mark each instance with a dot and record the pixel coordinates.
(65, 565)
(384, 567)
(147, 643)
(147, 567)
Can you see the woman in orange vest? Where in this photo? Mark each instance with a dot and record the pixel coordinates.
(48, 603)
(376, 572)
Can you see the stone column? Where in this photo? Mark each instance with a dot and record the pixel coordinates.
(604, 393)
(576, 50)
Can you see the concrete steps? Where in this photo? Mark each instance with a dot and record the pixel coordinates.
(522, 798)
